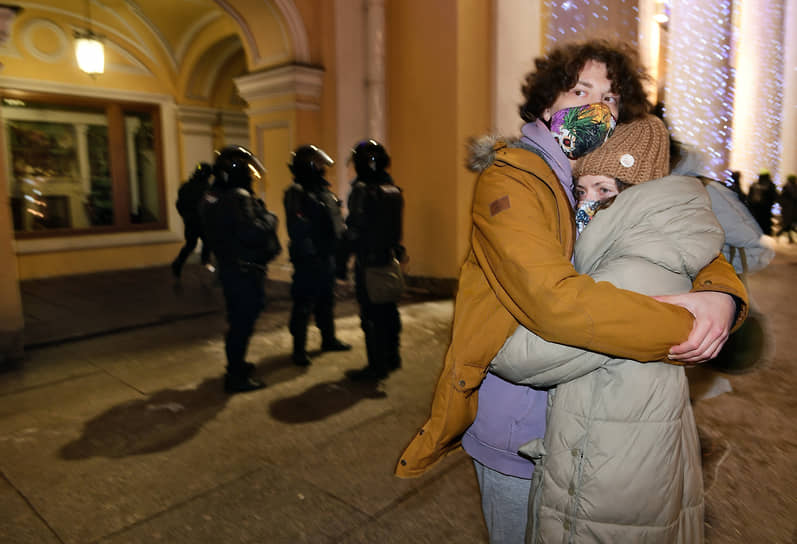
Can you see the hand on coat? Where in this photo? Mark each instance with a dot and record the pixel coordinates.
(714, 314)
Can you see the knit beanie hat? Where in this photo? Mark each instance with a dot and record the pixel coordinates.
(637, 151)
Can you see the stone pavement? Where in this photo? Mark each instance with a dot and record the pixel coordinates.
(122, 434)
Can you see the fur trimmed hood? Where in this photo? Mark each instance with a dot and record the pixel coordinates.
(481, 150)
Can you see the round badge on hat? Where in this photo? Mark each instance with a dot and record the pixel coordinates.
(627, 160)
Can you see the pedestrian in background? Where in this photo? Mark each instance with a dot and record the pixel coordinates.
(315, 227)
(242, 235)
(760, 199)
(188, 199)
(735, 185)
(788, 205)
(374, 236)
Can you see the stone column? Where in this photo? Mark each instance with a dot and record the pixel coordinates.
(517, 44)
(196, 137)
(283, 112)
(375, 68)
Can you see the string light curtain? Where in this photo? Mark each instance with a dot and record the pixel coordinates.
(699, 91)
(760, 61)
(573, 20)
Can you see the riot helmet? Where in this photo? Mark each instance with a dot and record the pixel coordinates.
(309, 163)
(369, 158)
(235, 166)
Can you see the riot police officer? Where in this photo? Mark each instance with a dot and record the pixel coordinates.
(315, 227)
(242, 235)
(188, 198)
(374, 235)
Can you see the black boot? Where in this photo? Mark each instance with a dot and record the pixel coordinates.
(300, 357)
(335, 345)
(234, 383)
(366, 374)
(177, 268)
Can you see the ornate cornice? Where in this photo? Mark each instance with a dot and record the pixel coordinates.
(294, 80)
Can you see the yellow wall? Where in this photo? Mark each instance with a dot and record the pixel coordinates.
(438, 94)
(42, 265)
(11, 320)
(144, 67)
(474, 102)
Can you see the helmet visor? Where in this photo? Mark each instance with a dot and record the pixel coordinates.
(256, 167)
(326, 160)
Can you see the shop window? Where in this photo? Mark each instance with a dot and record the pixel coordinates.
(81, 166)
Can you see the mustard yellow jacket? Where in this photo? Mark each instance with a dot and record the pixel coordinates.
(518, 271)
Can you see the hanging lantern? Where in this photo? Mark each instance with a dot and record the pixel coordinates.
(90, 52)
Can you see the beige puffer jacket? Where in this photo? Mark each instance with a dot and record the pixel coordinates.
(620, 461)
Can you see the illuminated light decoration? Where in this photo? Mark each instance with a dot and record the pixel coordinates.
(90, 53)
(759, 59)
(572, 20)
(699, 91)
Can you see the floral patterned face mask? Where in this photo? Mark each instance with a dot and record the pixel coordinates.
(580, 129)
(585, 210)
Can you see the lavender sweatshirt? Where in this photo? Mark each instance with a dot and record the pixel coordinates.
(510, 415)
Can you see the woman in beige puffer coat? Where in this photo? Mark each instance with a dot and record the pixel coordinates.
(620, 461)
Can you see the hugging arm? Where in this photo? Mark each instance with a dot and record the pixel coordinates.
(527, 359)
(518, 249)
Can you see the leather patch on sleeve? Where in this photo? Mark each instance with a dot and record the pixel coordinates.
(499, 205)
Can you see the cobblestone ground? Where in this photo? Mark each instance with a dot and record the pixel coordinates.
(748, 434)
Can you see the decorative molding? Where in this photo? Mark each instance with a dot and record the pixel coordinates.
(38, 24)
(192, 32)
(243, 26)
(285, 80)
(134, 66)
(296, 28)
(295, 35)
(234, 120)
(291, 106)
(154, 30)
(36, 85)
(223, 57)
(197, 115)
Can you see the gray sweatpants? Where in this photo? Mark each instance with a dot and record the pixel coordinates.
(505, 504)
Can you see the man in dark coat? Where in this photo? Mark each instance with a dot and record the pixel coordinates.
(188, 199)
(788, 207)
(374, 235)
(760, 199)
(315, 227)
(242, 235)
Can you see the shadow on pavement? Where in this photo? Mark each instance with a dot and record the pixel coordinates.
(323, 400)
(157, 423)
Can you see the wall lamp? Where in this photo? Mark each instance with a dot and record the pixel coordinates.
(89, 50)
